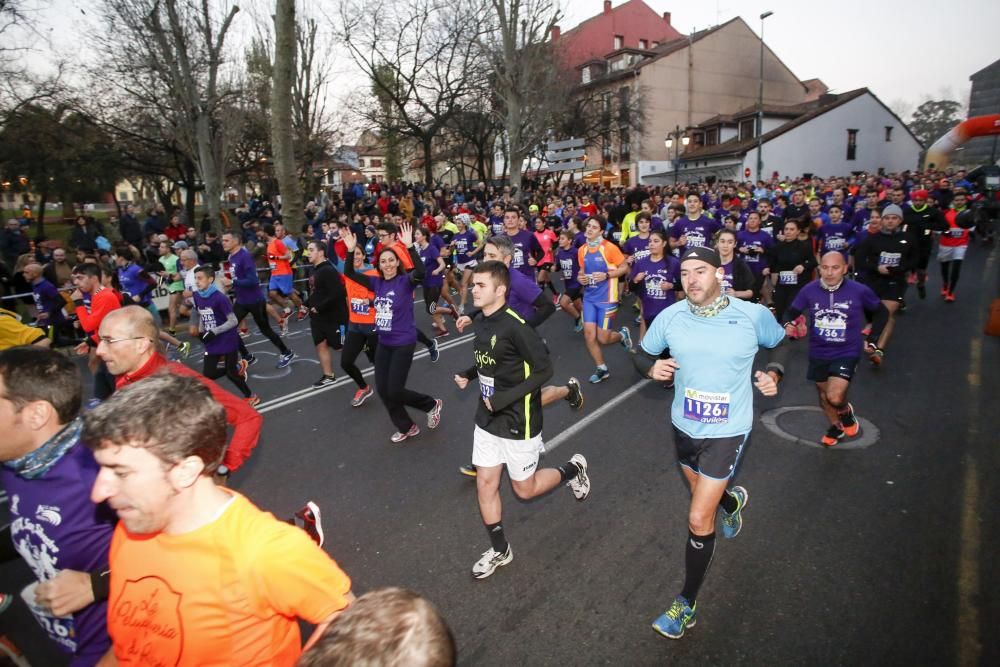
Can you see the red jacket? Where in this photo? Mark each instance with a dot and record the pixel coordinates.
(102, 302)
(176, 233)
(246, 421)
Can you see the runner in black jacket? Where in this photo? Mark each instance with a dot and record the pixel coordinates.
(327, 304)
(511, 363)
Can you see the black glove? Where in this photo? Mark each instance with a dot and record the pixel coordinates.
(208, 336)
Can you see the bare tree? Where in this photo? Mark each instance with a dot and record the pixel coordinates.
(525, 73)
(422, 58)
(282, 135)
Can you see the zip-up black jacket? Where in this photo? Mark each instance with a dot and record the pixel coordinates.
(920, 224)
(512, 364)
(327, 294)
(897, 251)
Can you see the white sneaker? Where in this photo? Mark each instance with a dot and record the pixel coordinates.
(581, 483)
(490, 561)
(434, 416)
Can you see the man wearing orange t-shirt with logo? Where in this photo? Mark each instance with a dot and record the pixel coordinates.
(199, 575)
(280, 287)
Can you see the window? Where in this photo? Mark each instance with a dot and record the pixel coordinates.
(852, 144)
(123, 196)
(888, 133)
(643, 44)
(619, 42)
(606, 147)
(747, 126)
(361, 162)
(376, 163)
(626, 147)
(711, 137)
(624, 100)
(655, 44)
(586, 74)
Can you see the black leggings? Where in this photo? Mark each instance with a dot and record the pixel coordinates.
(392, 366)
(783, 297)
(355, 342)
(259, 313)
(212, 371)
(950, 271)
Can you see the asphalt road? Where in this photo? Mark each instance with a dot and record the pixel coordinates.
(875, 555)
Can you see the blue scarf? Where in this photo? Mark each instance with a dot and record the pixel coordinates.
(205, 293)
(35, 464)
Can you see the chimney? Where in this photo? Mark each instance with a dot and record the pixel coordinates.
(666, 17)
(607, 6)
(556, 31)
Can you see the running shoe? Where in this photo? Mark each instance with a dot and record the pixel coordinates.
(867, 330)
(434, 352)
(555, 300)
(575, 396)
(440, 333)
(251, 360)
(434, 416)
(875, 357)
(399, 436)
(310, 520)
(626, 339)
(676, 619)
(468, 470)
(253, 401)
(849, 423)
(360, 396)
(490, 561)
(833, 435)
(303, 313)
(578, 327)
(244, 332)
(282, 326)
(950, 297)
(922, 290)
(911, 278)
(944, 291)
(324, 380)
(241, 368)
(184, 350)
(581, 483)
(600, 375)
(733, 523)
(285, 359)
(286, 311)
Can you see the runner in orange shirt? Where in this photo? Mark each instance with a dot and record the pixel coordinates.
(199, 575)
(280, 287)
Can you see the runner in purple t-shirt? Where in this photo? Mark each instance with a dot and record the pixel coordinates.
(217, 329)
(657, 278)
(526, 248)
(568, 265)
(397, 332)
(837, 309)
(695, 229)
(48, 475)
(433, 283)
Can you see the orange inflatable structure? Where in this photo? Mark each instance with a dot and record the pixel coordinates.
(939, 154)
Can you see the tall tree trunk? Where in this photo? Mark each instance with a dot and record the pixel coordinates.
(282, 137)
(40, 219)
(210, 173)
(428, 165)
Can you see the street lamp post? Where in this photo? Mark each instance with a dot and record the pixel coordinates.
(675, 140)
(760, 99)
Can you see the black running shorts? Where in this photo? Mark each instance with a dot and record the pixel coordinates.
(715, 458)
(820, 370)
(325, 330)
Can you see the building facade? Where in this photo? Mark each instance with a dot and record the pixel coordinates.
(983, 100)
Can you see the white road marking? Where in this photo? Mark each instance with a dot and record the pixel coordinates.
(594, 416)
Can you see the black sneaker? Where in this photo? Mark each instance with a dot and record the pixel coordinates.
(251, 360)
(324, 380)
(310, 520)
(833, 435)
(922, 290)
(575, 396)
(433, 352)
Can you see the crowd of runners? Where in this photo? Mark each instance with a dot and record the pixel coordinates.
(121, 508)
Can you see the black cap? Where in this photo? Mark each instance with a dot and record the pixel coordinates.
(703, 254)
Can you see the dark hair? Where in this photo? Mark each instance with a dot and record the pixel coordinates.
(662, 233)
(644, 216)
(513, 209)
(137, 415)
(320, 245)
(834, 206)
(88, 269)
(205, 269)
(389, 227)
(725, 230)
(32, 373)
(268, 228)
(497, 271)
(388, 627)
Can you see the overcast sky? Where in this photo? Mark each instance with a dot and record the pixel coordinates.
(902, 51)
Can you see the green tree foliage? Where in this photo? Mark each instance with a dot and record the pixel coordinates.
(933, 119)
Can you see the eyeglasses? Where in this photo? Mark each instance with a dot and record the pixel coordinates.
(112, 341)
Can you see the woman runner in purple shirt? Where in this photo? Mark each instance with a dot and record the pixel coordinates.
(656, 277)
(397, 332)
